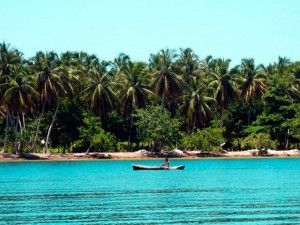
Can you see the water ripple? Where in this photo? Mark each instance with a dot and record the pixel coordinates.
(207, 192)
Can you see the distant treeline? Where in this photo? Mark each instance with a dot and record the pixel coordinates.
(74, 101)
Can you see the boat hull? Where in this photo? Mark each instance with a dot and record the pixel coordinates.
(141, 167)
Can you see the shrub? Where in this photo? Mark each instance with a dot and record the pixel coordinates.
(122, 146)
(104, 141)
(259, 141)
(156, 125)
(208, 139)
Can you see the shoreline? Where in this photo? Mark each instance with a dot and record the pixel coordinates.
(143, 154)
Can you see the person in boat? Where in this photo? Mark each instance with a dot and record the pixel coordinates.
(166, 164)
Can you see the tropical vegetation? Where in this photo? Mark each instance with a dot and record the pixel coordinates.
(75, 102)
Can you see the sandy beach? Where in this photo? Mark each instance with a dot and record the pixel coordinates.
(143, 154)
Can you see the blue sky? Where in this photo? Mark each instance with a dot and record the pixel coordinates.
(235, 29)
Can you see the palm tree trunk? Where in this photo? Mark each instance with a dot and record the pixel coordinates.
(15, 128)
(153, 146)
(222, 117)
(249, 115)
(163, 100)
(23, 120)
(6, 130)
(46, 149)
(20, 124)
(2, 114)
(88, 150)
(287, 135)
(130, 131)
(194, 124)
(37, 128)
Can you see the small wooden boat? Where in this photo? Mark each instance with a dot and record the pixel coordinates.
(141, 167)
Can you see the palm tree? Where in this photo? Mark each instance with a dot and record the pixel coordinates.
(224, 87)
(188, 63)
(268, 70)
(53, 83)
(3, 116)
(167, 83)
(286, 69)
(195, 104)
(118, 65)
(19, 97)
(8, 59)
(135, 92)
(101, 97)
(79, 60)
(208, 65)
(121, 61)
(5, 113)
(294, 82)
(282, 66)
(254, 82)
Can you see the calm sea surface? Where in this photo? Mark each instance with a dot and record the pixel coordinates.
(210, 191)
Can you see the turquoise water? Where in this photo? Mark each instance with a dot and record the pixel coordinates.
(211, 191)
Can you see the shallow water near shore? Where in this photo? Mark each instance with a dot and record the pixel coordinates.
(208, 191)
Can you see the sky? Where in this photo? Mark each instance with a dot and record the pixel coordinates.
(234, 29)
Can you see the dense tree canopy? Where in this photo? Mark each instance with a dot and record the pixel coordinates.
(160, 103)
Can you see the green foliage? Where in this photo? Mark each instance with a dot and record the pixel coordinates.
(26, 136)
(104, 141)
(155, 124)
(117, 124)
(208, 139)
(259, 141)
(92, 136)
(294, 125)
(235, 120)
(69, 118)
(277, 111)
(123, 146)
(89, 129)
(183, 84)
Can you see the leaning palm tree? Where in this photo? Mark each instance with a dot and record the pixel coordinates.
(4, 107)
(99, 93)
(167, 83)
(194, 103)
(254, 82)
(53, 83)
(134, 91)
(221, 80)
(54, 93)
(9, 60)
(19, 97)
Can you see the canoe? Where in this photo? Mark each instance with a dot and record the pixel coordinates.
(141, 167)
